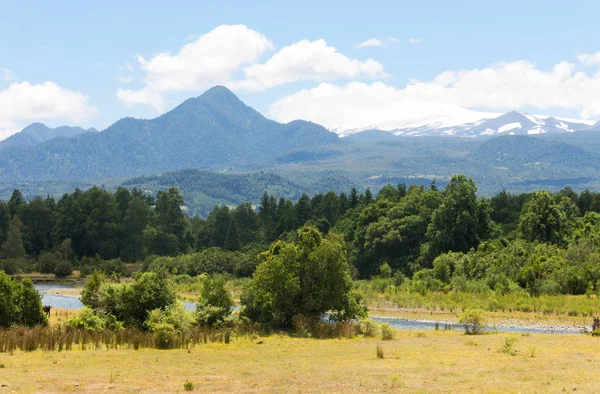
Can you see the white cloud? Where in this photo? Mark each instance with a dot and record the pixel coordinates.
(307, 61)
(25, 102)
(589, 59)
(7, 75)
(499, 87)
(414, 41)
(208, 61)
(371, 42)
(219, 55)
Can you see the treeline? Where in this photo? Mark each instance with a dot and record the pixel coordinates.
(99, 229)
(542, 242)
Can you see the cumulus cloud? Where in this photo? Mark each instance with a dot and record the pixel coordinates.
(371, 42)
(210, 60)
(499, 87)
(25, 102)
(307, 61)
(228, 55)
(589, 59)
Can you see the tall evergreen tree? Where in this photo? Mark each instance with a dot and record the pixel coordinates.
(303, 210)
(13, 248)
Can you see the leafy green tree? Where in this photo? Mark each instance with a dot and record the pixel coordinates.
(32, 312)
(13, 248)
(308, 278)
(543, 220)
(63, 269)
(9, 305)
(215, 303)
(130, 303)
(20, 303)
(460, 223)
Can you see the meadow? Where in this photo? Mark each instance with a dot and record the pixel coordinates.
(414, 362)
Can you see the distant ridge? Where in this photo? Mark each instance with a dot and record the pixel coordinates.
(213, 131)
(36, 133)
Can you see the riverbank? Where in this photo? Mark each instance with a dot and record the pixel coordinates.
(504, 320)
(415, 362)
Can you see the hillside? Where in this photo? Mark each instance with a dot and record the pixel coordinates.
(36, 133)
(202, 190)
(213, 131)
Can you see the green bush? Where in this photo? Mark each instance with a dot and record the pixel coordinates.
(509, 346)
(86, 320)
(387, 332)
(188, 386)
(473, 320)
(385, 271)
(215, 303)
(165, 336)
(63, 269)
(369, 328)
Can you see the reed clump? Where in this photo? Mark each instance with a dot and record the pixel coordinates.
(63, 339)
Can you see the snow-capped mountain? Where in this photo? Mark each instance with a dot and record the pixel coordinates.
(479, 124)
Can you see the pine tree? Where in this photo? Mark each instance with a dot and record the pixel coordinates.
(232, 241)
(12, 248)
(354, 199)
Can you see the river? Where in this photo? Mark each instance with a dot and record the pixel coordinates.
(73, 302)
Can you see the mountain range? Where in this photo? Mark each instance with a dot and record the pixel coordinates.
(213, 131)
(217, 132)
(36, 133)
(511, 123)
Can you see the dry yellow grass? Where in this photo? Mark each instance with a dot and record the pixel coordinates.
(435, 361)
(59, 315)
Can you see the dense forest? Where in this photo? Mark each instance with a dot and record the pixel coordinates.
(541, 242)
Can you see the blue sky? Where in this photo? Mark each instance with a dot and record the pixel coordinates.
(64, 62)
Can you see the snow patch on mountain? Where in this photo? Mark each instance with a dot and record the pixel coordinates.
(508, 127)
(453, 121)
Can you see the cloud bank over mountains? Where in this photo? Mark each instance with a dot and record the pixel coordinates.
(330, 87)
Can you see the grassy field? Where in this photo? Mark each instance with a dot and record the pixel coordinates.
(420, 362)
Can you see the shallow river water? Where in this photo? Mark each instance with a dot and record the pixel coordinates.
(73, 302)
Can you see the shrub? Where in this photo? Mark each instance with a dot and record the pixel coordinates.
(387, 332)
(473, 320)
(369, 328)
(596, 333)
(86, 320)
(165, 336)
(188, 386)
(47, 262)
(215, 303)
(385, 271)
(379, 351)
(509, 346)
(63, 269)
(174, 315)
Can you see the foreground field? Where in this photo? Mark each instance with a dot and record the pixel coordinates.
(433, 361)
